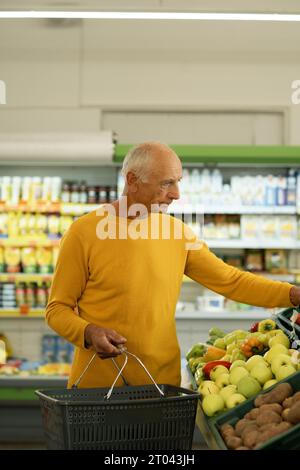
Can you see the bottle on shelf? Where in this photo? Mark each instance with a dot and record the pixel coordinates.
(66, 193)
(92, 195)
(291, 188)
(83, 194)
(75, 194)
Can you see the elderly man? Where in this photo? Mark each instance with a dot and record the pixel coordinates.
(126, 287)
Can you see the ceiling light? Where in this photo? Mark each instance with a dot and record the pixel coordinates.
(123, 15)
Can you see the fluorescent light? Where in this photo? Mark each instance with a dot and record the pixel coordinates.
(124, 15)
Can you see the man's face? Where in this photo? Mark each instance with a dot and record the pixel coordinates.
(161, 186)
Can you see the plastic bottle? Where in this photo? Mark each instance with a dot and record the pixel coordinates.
(281, 191)
(65, 195)
(270, 191)
(291, 188)
(217, 181)
(75, 193)
(83, 195)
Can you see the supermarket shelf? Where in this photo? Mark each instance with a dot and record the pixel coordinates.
(254, 244)
(24, 241)
(236, 154)
(15, 313)
(78, 209)
(239, 209)
(25, 277)
(50, 208)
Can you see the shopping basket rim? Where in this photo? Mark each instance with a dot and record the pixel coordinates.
(46, 395)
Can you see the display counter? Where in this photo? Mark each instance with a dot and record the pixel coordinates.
(20, 415)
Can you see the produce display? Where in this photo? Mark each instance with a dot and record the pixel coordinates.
(30, 369)
(232, 367)
(274, 413)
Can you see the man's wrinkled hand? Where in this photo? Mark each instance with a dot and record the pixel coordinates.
(105, 342)
(295, 296)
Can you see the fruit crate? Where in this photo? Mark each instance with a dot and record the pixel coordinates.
(289, 440)
(207, 425)
(283, 320)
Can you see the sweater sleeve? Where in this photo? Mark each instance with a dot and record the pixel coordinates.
(209, 270)
(69, 281)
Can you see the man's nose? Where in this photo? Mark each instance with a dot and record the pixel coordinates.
(174, 193)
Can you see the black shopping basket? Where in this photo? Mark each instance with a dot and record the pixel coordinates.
(145, 417)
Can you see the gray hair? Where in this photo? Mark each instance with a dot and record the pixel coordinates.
(137, 160)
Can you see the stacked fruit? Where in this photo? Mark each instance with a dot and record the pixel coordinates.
(258, 359)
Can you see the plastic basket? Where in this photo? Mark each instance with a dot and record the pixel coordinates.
(134, 418)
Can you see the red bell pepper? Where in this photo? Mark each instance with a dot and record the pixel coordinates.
(210, 365)
(254, 327)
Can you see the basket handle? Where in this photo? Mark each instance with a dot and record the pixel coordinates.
(124, 351)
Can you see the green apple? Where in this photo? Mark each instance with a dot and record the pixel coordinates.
(262, 373)
(227, 358)
(236, 374)
(280, 360)
(237, 355)
(234, 399)
(222, 380)
(253, 360)
(284, 371)
(274, 351)
(213, 404)
(207, 387)
(220, 343)
(269, 383)
(231, 348)
(279, 339)
(238, 363)
(225, 392)
(248, 386)
(216, 371)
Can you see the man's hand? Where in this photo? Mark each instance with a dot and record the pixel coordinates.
(104, 341)
(295, 296)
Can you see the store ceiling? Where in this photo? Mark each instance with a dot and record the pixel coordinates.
(287, 6)
(212, 41)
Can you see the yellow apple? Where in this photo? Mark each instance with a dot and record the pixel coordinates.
(213, 404)
(234, 400)
(279, 339)
(236, 374)
(222, 380)
(280, 360)
(284, 371)
(274, 351)
(262, 373)
(253, 360)
(238, 363)
(227, 391)
(269, 383)
(207, 387)
(216, 371)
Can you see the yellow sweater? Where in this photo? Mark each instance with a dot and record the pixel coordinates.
(132, 286)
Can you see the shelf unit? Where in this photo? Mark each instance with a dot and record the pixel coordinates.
(226, 158)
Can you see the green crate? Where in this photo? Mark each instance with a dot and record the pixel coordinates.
(290, 440)
(207, 425)
(283, 320)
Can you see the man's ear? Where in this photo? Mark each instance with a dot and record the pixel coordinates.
(132, 182)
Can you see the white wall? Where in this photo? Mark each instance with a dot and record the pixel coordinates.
(64, 75)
